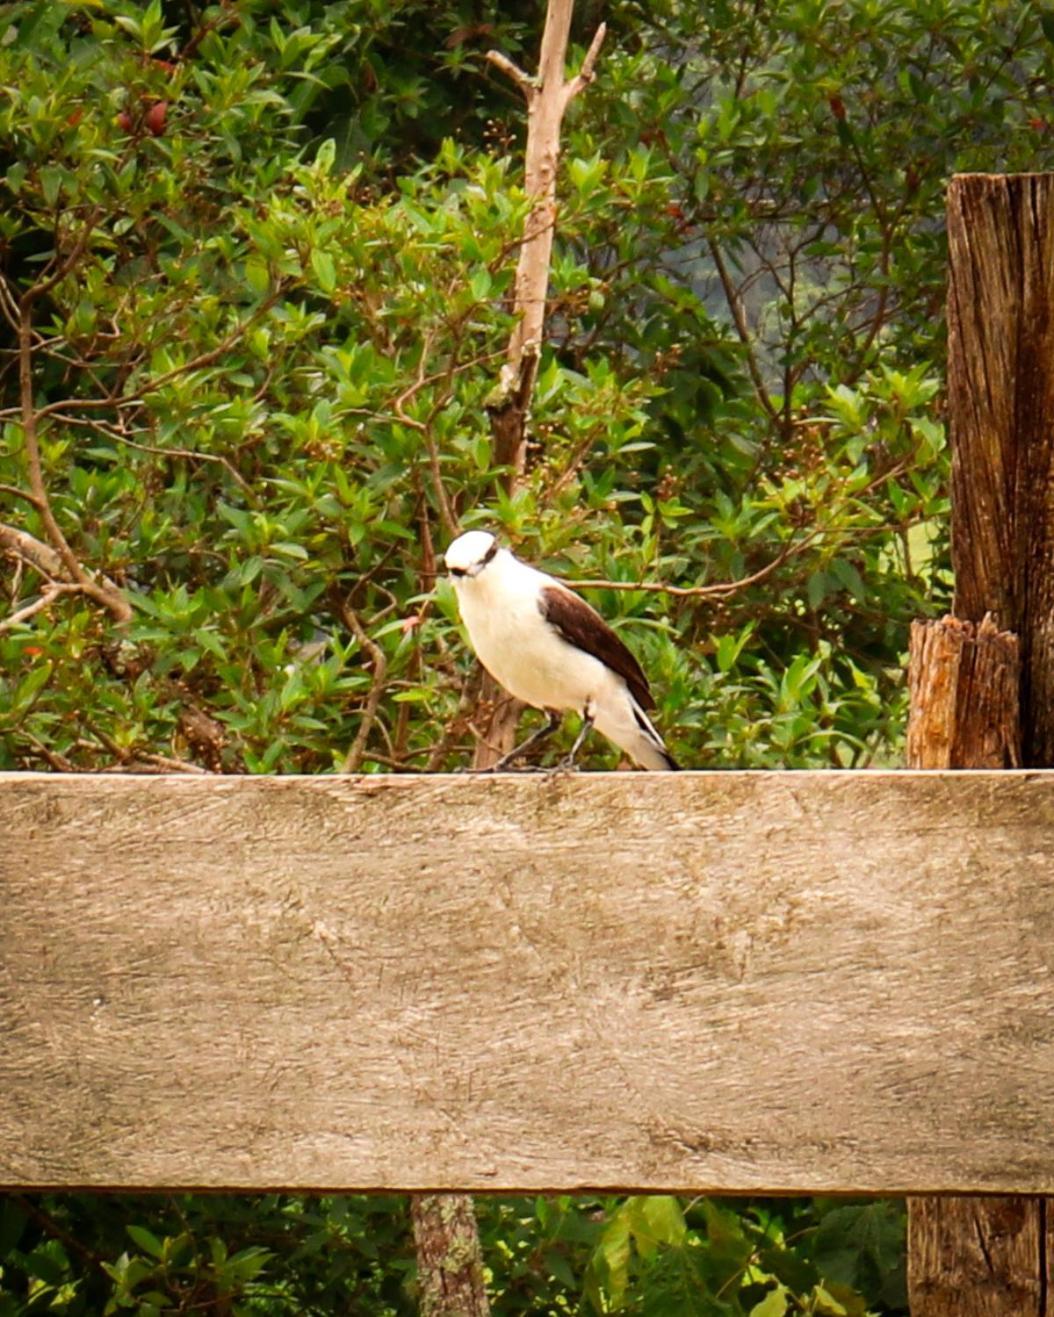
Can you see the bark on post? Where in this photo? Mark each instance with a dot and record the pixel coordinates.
(1001, 415)
(987, 1257)
(449, 1258)
(964, 683)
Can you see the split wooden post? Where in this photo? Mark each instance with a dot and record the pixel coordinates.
(983, 682)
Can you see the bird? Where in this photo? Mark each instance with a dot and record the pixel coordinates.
(550, 649)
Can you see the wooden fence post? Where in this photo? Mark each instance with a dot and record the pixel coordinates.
(972, 1256)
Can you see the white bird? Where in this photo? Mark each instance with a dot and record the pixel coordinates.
(548, 648)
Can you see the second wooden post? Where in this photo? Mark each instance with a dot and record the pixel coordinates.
(982, 682)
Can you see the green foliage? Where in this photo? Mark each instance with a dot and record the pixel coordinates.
(81, 1254)
(279, 1254)
(259, 256)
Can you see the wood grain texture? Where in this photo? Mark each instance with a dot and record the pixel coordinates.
(1000, 410)
(970, 1256)
(787, 982)
(964, 682)
(977, 1257)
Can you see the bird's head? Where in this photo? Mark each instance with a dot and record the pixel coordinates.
(469, 554)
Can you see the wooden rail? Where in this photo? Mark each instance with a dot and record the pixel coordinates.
(779, 982)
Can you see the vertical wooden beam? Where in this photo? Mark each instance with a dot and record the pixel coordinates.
(983, 685)
(971, 1257)
(1001, 418)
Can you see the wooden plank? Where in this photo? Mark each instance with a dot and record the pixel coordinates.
(779, 982)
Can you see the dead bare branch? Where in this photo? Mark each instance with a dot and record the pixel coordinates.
(33, 552)
(587, 72)
(522, 80)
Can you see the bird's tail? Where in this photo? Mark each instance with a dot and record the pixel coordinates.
(650, 749)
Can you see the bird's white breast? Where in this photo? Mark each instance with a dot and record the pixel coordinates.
(518, 647)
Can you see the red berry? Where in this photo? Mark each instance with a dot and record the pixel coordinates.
(155, 118)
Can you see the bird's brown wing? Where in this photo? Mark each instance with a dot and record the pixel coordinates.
(583, 627)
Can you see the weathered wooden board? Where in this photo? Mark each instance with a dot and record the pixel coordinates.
(788, 982)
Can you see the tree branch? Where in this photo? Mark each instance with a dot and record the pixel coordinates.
(720, 590)
(586, 73)
(350, 618)
(109, 597)
(735, 305)
(48, 595)
(522, 80)
(33, 552)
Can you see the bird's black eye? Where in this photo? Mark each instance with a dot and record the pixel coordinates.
(457, 571)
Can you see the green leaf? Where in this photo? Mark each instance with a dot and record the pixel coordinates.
(51, 177)
(852, 1239)
(774, 1304)
(326, 155)
(146, 1240)
(31, 685)
(325, 270)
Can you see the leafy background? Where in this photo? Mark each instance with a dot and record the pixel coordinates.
(286, 235)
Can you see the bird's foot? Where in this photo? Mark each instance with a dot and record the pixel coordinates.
(566, 765)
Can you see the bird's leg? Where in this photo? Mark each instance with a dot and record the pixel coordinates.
(568, 762)
(553, 721)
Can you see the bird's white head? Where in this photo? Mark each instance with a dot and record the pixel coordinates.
(470, 554)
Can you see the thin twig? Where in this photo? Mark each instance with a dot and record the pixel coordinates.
(735, 305)
(189, 454)
(720, 590)
(8, 304)
(15, 492)
(353, 758)
(58, 763)
(48, 281)
(51, 1227)
(446, 514)
(48, 595)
